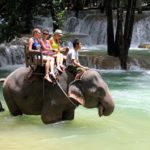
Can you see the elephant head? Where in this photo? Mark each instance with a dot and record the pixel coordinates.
(91, 91)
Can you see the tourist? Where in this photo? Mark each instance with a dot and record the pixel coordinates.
(55, 45)
(35, 46)
(47, 52)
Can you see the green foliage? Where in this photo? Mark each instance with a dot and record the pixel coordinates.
(60, 15)
(17, 15)
(59, 12)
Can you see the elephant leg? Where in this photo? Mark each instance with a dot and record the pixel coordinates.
(51, 114)
(13, 108)
(68, 115)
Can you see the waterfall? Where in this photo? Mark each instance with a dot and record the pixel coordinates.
(12, 53)
(141, 31)
(43, 22)
(94, 25)
(90, 27)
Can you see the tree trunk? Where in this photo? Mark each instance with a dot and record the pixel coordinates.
(139, 6)
(110, 30)
(77, 6)
(119, 43)
(53, 14)
(11, 27)
(119, 31)
(102, 6)
(27, 7)
(129, 22)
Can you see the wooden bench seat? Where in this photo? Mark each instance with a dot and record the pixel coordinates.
(33, 59)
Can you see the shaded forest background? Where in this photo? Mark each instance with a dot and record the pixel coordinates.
(16, 19)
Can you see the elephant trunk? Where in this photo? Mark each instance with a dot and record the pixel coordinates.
(106, 106)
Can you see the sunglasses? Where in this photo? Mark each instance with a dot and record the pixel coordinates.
(38, 32)
(45, 33)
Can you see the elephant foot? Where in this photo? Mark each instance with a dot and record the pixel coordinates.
(16, 113)
(2, 109)
(67, 119)
(49, 121)
(68, 115)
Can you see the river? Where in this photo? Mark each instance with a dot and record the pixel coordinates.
(128, 128)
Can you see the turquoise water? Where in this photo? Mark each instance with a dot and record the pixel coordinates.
(128, 128)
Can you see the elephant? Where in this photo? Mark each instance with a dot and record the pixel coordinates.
(55, 101)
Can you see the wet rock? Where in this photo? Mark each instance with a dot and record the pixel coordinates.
(144, 46)
(13, 52)
(100, 62)
(20, 41)
(109, 62)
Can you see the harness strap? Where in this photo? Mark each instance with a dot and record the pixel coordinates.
(61, 90)
(65, 94)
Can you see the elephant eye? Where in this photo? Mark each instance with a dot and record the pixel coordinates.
(96, 92)
(101, 92)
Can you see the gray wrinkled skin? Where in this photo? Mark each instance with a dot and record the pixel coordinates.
(35, 96)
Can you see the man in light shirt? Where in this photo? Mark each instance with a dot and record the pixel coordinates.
(72, 61)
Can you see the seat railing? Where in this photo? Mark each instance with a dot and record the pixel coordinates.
(33, 58)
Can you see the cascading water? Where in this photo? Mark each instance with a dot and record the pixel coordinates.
(12, 53)
(94, 25)
(90, 27)
(141, 31)
(43, 22)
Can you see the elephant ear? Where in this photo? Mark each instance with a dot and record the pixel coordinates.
(75, 92)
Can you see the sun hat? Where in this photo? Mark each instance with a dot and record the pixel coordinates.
(58, 31)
